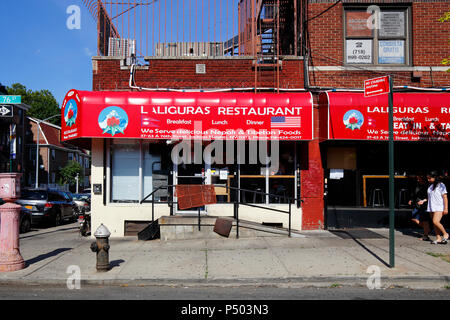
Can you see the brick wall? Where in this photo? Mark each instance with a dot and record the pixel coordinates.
(312, 180)
(181, 74)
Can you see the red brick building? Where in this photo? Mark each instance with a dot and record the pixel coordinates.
(323, 46)
(423, 35)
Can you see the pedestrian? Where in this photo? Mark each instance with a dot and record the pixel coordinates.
(437, 206)
(418, 201)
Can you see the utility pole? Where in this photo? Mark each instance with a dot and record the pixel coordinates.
(38, 128)
(391, 176)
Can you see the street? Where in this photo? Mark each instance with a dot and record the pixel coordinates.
(125, 292)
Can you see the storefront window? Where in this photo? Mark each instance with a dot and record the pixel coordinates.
(282, 182)
(137, 169)
(279, 183)
(384, 44)
(253, 174)
(125, 163)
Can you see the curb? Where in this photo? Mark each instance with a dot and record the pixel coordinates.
(413, 282)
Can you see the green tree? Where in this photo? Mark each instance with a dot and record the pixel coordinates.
(43, 104)
(69, 173)
(444, 18)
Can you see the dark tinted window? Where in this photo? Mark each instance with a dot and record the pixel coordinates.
(34, 194)
(55, 196)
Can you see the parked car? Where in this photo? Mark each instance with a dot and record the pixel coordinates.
(71, 200)
(82, 202)
(25, 219)
(46, 205)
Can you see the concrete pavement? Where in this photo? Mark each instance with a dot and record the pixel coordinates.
(319, 258)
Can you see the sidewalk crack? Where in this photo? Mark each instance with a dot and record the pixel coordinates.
(275, 255)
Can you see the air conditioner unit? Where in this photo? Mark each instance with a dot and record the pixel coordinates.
(119, 47)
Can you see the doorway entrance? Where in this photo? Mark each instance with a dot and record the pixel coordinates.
(184, 174)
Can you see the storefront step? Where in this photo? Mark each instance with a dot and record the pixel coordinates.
(186, 227)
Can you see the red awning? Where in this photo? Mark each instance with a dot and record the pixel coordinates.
(417, 116)
(170, 115)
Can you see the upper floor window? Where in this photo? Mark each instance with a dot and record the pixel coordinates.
(381, 42)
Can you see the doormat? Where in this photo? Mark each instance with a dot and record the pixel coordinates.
(356, 234)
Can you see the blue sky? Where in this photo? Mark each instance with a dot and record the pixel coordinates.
(39, 51)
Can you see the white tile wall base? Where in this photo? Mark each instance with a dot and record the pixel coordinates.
(114, 216)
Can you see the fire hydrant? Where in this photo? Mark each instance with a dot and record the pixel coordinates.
(10, 257)
(101, 247)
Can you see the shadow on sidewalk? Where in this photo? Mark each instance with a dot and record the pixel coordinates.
(46, 256)
(353, 234)
(116, 263)
(48, 232)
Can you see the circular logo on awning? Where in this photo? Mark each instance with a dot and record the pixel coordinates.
(113, 120)
(70, 113)
(353, 119)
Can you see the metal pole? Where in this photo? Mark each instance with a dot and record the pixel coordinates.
(37, 155)
(153, 208)
(391, 176)
(289, 217)
(238, 197)
(38, 126)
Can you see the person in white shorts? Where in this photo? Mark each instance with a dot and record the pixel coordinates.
(437, 206)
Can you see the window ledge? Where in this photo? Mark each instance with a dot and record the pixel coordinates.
(379, 68)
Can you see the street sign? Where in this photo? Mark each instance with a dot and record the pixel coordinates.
(11, 99)
(6, 111)
(377, 86)
(374, 87)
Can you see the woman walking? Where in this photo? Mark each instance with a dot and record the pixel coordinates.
(418, 201)
(437, 206)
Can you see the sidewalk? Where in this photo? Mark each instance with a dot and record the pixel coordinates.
(320, 258)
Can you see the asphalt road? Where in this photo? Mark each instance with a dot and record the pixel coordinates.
(216, 293)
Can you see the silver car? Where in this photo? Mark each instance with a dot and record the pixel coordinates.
(82, 202)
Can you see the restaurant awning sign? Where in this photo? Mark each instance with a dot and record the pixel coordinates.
(417, 116)
(176, 115)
